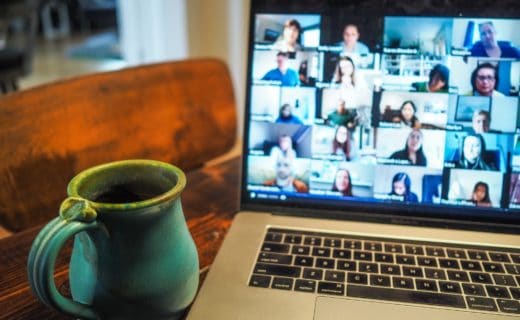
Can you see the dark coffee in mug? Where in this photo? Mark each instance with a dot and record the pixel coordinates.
(128, 193)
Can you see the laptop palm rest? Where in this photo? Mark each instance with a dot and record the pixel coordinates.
(327, 308)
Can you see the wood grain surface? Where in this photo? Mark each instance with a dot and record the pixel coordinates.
(209, 201)
(178, 112)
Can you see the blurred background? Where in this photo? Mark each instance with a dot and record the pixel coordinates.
(48, 40)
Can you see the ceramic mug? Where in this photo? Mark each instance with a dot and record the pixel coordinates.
(133, 256)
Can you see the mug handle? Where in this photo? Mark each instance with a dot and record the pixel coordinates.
(76, 215)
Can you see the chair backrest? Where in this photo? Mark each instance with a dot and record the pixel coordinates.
(178, 112)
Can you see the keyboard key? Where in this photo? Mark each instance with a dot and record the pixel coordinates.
(513, 269)
(358, 278)
(314, 274)
(403, 283)
(325, 263)
(470, 265)
(379, 280)
(303, 261)
(362, 255)
(417, 250)
(346, 265)
(384, 257)
(497, 292)
(394, 248)
(428, 285)
(368, 267)
(273, 237)
(260, 281)
(504, 280)
(335, 276)
(437, 274)
(301, 250)
(478, 255)
(479, 277)
(473, 289)
(493, 267)
(390, 269)
(449, 287)
(515, 293)
(282, 283)
(456, 253)
(305, 285)
(333, 288)
(509, 306)
(484, 304)
(515, 258)
(277, 270)
(449, 263)
(427, 261)
(352, 244)
(275, 247)
(412, 272)
(312, 241)
(435, 252)
(406, 296)
(321, 252)
(342, 254)
(409, 260)
(293, 239)
(373, 246)
(269, 257)
(333, 243)
(458, 276)
(499, 257)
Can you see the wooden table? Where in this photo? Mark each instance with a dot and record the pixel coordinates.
(209, 201)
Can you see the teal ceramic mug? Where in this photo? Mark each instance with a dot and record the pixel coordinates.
(133, 256)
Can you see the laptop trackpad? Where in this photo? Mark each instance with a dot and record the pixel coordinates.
(347, 309)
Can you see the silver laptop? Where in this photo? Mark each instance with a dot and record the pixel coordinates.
(381, 166)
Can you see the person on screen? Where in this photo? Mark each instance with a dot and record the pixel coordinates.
(305, 80)
(480, 121)
(351, 43)
(484, 81)
(473, 147)
(352, 89)
(413, 150)
(342, 183)
(342, 116)
(289, 40)
(285, 179)
(345, 72)
(282, 72)
(489, 46)
(284, 149)
(480, 195)
(438, 81)
(401, 186)
(285, 115)
(407, 115)
(341, 145)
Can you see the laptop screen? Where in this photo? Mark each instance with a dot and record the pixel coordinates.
(395, 108)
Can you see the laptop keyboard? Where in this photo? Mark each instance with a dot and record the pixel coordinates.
(447, 275)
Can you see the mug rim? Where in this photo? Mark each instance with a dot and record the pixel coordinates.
(74, 184)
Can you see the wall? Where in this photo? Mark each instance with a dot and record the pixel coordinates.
(219, 28)
(158, 30)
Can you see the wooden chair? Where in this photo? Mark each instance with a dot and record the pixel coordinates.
(178, 112)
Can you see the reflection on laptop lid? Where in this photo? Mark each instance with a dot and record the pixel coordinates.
(397, 110)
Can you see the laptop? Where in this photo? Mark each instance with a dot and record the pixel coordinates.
(381, 165)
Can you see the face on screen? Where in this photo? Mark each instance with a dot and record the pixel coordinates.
(415, 110)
